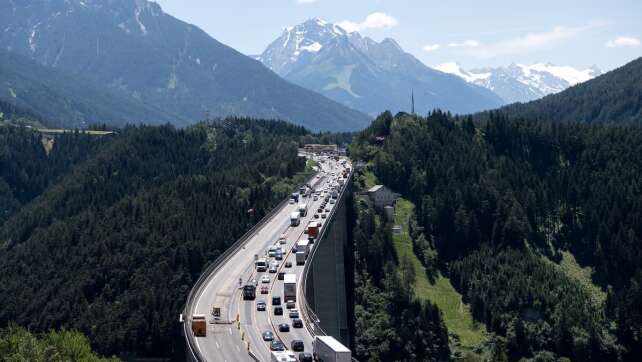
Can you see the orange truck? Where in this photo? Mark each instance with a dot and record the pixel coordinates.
(199, 325)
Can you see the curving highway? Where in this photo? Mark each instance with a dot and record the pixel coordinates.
(237, 335)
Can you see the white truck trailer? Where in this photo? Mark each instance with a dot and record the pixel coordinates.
(295, 218)
(303, 209)
(289, 287)
(328, 349)
(282, 356)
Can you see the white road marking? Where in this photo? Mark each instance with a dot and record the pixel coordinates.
(217, 345)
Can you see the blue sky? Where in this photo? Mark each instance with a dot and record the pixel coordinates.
(472, 33)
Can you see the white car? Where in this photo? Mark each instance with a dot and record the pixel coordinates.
(265, 279)
(291, 201)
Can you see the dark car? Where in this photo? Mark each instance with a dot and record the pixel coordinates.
(297, 345)
(290, 304)
(323, 216)
(297, 323)
(288, 264)
(316, 216)
(320, 210)
(294, 313)
(268, 336)
(281, 276)
(276, 300)
(284, 327)
(277, 346)
(306, 357)
(278, 311)
(260, 306)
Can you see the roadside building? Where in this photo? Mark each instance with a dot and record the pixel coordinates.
(381, 196)
(317, 148)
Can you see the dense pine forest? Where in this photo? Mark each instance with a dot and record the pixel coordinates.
(106, 235)
(500, 203)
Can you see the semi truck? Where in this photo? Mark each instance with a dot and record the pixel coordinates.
(199, 325)
(328, 349)
(249, 291)
(295, 218)
(282, 356)
(303, 245)
(289, 287)
(313, 229)
(303, 209)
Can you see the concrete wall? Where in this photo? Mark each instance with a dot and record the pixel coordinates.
(328, 282)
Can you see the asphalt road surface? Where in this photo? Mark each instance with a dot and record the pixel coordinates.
(228, 340)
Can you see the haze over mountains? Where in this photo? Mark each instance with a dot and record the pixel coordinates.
(133, 48)
(522, 83)
(368, 75)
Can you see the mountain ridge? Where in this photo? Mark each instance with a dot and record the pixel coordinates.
(367, 75)
(522, 83)
(133, 47)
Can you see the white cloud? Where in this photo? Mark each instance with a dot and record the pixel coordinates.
(372, 21)
(431, 47)
(465, 44)
(521, 45)
(623, 42)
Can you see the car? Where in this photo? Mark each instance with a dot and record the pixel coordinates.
(327, 210)
(260, 306)
(265, 290)
(284, 327)
(316, 216)
(315, 198)
(291, 201)
(273, 269)
(265, 279)
(319, 210)
(305, 231)
(294, 313)
(290, 304)
(268, 336)
(332, 201)
(306, 357)
(297, 323)
(297, 345)
(277, 346)
(281, 275)
(323, 216)
(278, 311)
(276, 300)
(253, 281)
(288, 264)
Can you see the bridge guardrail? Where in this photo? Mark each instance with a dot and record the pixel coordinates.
(315, 329)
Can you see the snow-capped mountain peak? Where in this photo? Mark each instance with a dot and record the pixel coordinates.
(521, 82)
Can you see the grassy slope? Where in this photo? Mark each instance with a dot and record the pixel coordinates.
(456, 314)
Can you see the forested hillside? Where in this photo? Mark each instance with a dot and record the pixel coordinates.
(499, 201)
(390, 323)
(68, 101)
(107, 236)
(614, 97)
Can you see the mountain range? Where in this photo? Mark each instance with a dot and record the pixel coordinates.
(522, 83)
(133, 48)
(614, 97)
(367, 75)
